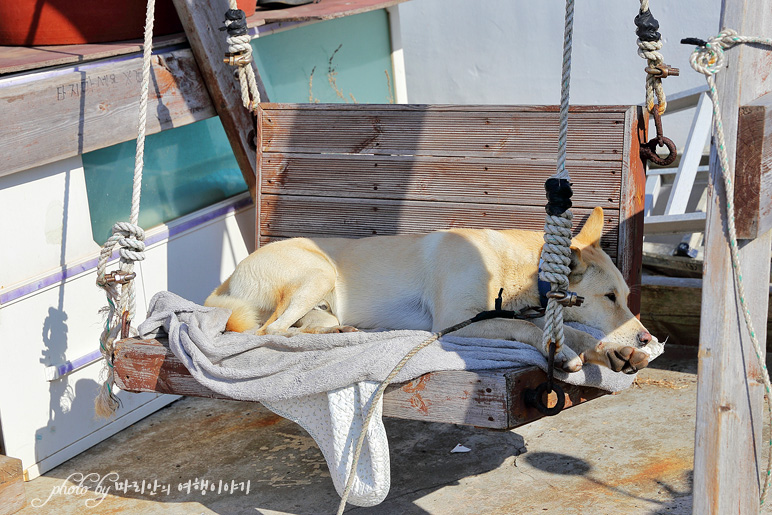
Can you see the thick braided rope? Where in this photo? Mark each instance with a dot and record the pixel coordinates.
(376, 398)
(128, 237)
(556, 252)
(649, 50)
(709, 60)
(250, 94)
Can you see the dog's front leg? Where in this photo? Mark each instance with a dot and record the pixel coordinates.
(521, 331)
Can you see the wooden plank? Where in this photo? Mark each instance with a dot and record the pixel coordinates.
(671, 309)
(472, 398)
(209, 47)
(449, 179)
(482, 131)
(485, 398)
(675, 224)
(728, 438)
(631, 204)
(319, 11)
(14, 59)
(753, 174)
(12, 497)
(49, 116)
(289, 216)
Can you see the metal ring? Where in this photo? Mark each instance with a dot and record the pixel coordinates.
(534, 397)
(649, 151)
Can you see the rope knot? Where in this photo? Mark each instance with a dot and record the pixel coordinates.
(239, 49)
(709, 58)
(130, 239)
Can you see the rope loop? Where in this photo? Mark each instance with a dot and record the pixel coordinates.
(709, 58)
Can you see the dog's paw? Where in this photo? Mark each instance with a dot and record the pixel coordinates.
(567, 360)
(627, 359)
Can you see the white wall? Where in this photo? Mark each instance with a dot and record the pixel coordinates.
(510, 51)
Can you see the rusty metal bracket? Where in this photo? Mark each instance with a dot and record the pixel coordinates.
(125, 325)
(566, 298)
(119, 277)
(649, 149)
(662, 71)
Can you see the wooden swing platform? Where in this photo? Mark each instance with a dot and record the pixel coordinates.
(362, 170)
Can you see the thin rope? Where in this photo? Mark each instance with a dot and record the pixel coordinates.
(556, 252)
(649, 50)
(709, 60)
(240, 50)
(128, 237)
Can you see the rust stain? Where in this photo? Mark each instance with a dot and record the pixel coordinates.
(415, 387)
(657, 470)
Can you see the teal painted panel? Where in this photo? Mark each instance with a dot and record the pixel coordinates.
(186, 169)
(342, 60)
(191, 167)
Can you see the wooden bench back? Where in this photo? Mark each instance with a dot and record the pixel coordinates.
(364, 170)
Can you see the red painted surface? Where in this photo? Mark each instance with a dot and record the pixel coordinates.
(66, 22)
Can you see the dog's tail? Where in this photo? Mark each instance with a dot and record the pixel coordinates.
(244, 316)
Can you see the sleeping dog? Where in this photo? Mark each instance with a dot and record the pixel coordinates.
(430, 282)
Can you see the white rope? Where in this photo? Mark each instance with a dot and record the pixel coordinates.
(240, 50)
(556, 252)
(649, 50)
(128, 237)
(709, 60)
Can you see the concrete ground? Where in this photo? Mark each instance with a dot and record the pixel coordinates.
(627, 453)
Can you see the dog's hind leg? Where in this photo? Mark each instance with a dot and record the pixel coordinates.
(299, 300)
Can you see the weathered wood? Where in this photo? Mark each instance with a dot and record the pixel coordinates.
(753, 174)
(94, 106)
(446, 179)
(488, 398)
(289, 216)
(201, 20)
(11, 485)
(675, 224)
(525, 132)
(14, 59)
(671, 306)
(728, 436)
(631, 204)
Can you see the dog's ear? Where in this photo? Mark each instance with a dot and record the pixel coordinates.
(578, 266)
(591, 231)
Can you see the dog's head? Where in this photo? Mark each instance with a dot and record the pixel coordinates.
(594, 277)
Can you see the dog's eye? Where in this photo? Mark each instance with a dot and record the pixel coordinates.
(612, 297)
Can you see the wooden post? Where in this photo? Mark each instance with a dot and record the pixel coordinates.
(202, 21)
(11, 485)
(728, 440)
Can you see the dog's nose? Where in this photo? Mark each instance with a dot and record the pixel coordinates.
(644, 337)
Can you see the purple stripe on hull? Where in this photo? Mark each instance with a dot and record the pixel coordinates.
(62, 275)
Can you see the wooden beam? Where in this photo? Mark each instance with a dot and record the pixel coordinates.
(485, 398)
(728, 438)
(675, 224)
(11, 485)
(202, 21)
(753, 175)
(52, 115)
